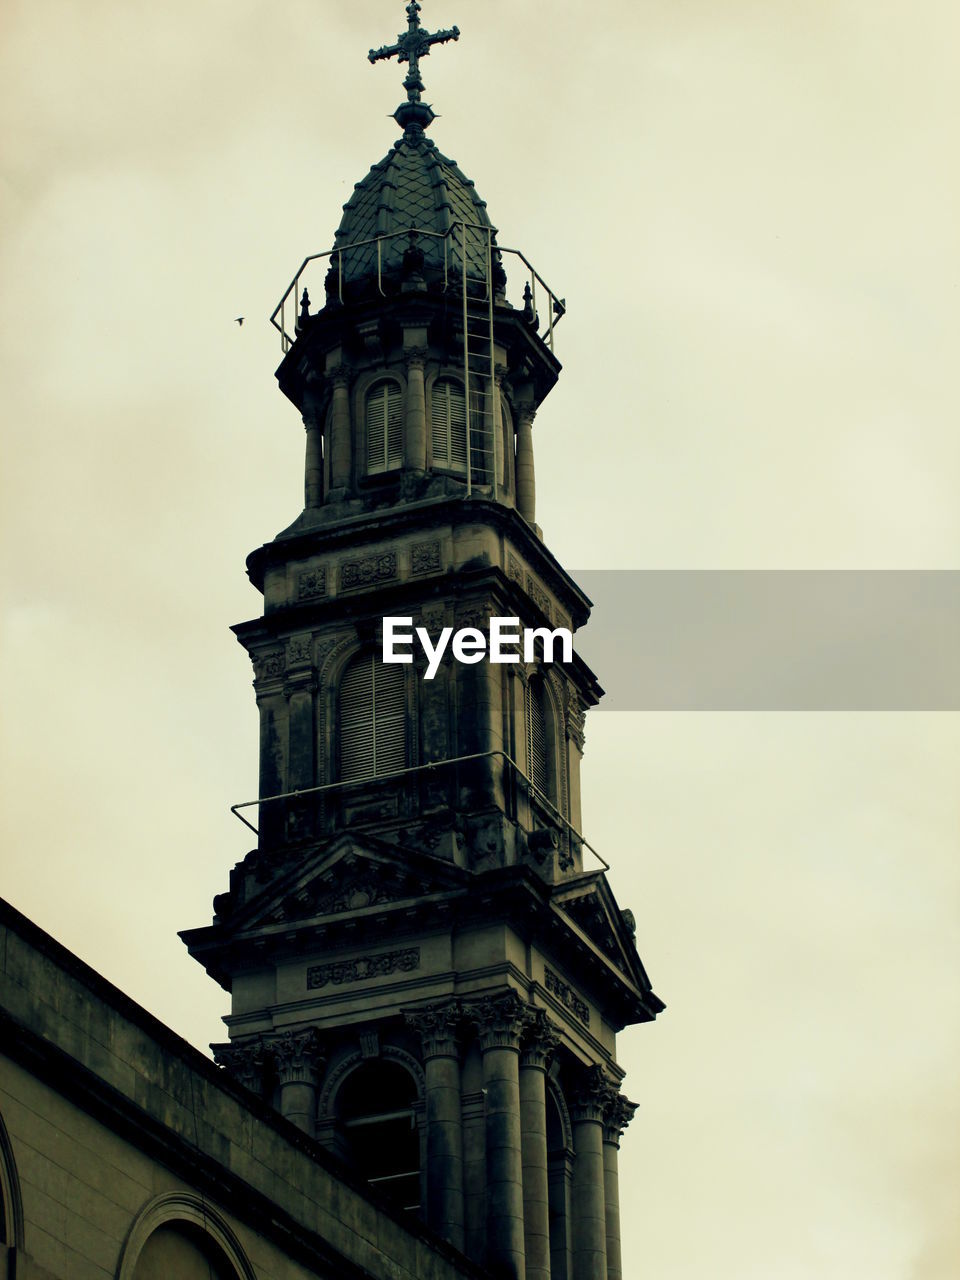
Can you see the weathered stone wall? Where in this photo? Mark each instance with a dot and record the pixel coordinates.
(111, 1116)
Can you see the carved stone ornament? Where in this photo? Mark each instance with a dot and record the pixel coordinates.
(499, 1021)
(341, 376)
(567, 996)
(363, 968)
(269, 665)
(539, 597)
(540, 1040)
(437, 1026)
(312, 584)
(576, 717)
(514, 569)
(299, 651)
(415, 357)
(243, 1060)
(425, 557)
(618, 1111)
(590, 1095)
(297, 1056)
(368, 571)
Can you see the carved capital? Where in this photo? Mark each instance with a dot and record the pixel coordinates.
(415, 357)
(499, 1021)
(437, 1026)
(618, 1111)
(590, 1095)
(539, 1041)
(340, 377)
(243, 1060)
(297, 1056)
(299, 651)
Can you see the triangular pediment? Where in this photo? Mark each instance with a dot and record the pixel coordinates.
(589, 903)
(353, 876)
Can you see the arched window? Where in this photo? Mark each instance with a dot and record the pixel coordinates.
(541, 740)
(378, 1127)
(559, 1173)
(448, 425)
(383, 421)
(373, 718)
(183, 1250)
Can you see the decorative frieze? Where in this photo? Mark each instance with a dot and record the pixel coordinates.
(425, 557)
(312, 584)
(368, 571)
(437, 1026)
(514, 569)
(567, 996)
(363, 968)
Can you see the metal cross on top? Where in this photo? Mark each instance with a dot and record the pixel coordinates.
(412, 45)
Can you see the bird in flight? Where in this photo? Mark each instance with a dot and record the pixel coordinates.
(240, 320)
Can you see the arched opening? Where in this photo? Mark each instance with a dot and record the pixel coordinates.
(372, 716)
(448, 426)
(184, 1250)
(377, 1121)
(383, 426)
(11, 1203)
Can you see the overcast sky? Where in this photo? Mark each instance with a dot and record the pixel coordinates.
(752, 211)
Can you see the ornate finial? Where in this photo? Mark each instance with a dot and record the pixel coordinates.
(412, 45)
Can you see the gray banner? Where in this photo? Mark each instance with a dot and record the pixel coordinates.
(801, 640)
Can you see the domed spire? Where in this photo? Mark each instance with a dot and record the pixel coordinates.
(411, 45)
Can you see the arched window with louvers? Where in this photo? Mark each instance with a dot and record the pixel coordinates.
(448, 426)
(541, 740)
(383, 426)
(372, 717)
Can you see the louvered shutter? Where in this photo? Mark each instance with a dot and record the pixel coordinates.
(356, 720)
(448, 425)
(390, 718)
(384, 427)
(537, 739)
(372, 719)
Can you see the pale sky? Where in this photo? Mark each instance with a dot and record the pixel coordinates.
(752, 211)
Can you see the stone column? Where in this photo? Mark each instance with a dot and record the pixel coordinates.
(415, 441)
(589, 1215)
(313, 466)
(617, 1114)
(526, 482)
(243, 1060)
(340, 442)
(437, 1027)
(500, 1021)
(297, 1059)
(539, 1043)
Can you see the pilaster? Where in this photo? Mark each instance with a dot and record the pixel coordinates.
(538, 1044)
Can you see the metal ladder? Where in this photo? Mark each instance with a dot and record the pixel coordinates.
(479, 382)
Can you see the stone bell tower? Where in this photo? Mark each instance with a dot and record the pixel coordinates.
(427, 973)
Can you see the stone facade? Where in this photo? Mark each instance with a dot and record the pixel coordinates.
(125, 1153)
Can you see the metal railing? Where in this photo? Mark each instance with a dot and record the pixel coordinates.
(429, 766)
(285, 315)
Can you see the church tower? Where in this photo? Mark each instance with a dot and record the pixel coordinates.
(426, 964)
